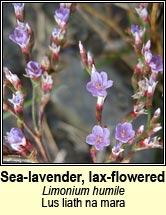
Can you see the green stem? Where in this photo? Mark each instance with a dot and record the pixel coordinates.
(149, 109)
(34, 86)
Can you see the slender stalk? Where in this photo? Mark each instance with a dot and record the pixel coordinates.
(34, 86)
(153, 17)
(155, 36)
(149, 109)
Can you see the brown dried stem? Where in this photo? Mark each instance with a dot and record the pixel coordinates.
(154, 33)
(104, 19)
(18, 159)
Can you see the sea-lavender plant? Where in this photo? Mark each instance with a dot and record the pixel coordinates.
(27, 140)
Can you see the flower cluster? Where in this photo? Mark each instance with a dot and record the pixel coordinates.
(145, 77)
(61, 17)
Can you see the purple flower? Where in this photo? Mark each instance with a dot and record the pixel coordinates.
(99, 137)
(33, 69)
(134, 29)
(116, 150)
(61, 16)
(16, 139)
(20, 37)
(17, 99)
(156, 63)
(137, 33)
(57, 35)
(99, 83)
(124, 132)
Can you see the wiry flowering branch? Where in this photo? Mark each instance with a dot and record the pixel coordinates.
(98, 85)
(61, 17)
(42, 82)
(144, 82)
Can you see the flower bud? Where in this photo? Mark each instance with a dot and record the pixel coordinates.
(12, 78)
(140, 130)
(157, 113)
(47, 82)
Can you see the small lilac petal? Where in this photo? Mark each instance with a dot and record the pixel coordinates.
(95, 77)
(97, 130)
(132, 134)
(134, 29)
(126, 126)
(91, 88)
(106, 133)
(107, 142)
(102, 93)
(104, 78)
(99, 147)
(90, 139)
(12, 38)
(109, 84)
(95, 92)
